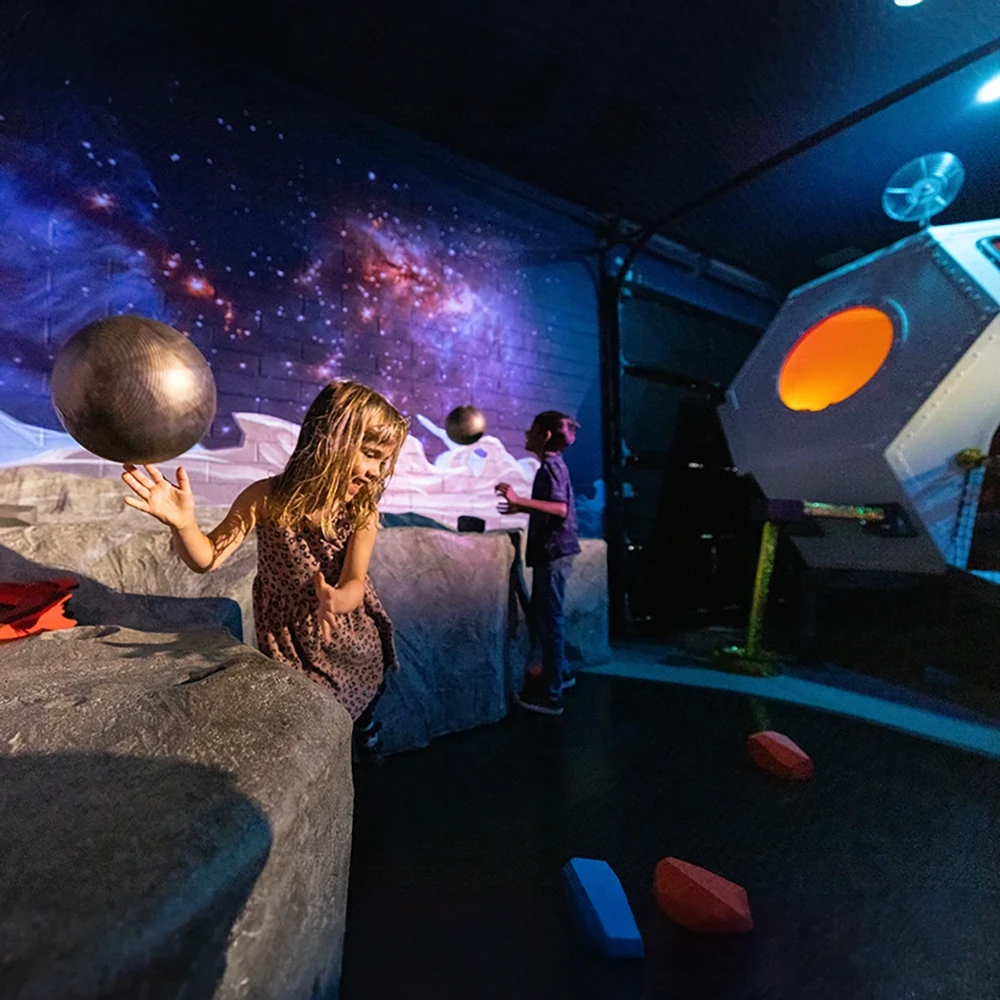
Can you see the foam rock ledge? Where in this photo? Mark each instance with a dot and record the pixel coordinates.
(175, 820)
(461, 630)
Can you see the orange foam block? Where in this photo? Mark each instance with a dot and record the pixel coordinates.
(779, 755)
(700, 901)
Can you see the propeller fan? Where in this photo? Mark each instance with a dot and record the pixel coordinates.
(925, 186)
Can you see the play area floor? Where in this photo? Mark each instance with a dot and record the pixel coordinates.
(877, 880)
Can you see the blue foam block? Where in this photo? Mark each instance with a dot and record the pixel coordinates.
(603, 914)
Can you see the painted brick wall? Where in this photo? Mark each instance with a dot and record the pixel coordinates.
(261, 230)
(293, 244)
(541, 354)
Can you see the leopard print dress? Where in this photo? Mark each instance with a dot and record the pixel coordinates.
(285, 611)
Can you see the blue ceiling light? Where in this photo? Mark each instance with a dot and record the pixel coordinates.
(989, 91)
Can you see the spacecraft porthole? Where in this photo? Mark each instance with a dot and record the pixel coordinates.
(836, 358)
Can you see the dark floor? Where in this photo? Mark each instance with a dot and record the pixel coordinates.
(879, 879)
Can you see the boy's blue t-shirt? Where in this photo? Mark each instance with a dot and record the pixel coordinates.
(552, 537)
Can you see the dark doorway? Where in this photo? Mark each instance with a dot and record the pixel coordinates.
(691, 541)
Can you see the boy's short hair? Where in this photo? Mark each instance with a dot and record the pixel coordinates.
(552, 421)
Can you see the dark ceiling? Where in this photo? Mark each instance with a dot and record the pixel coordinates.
(638, 107)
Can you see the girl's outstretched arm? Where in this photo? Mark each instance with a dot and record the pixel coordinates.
(173, 506)
(201, 552)
(349, 591)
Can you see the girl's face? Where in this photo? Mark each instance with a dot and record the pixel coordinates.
(368, 466)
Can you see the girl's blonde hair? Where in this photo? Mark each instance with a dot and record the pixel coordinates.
(344, 418)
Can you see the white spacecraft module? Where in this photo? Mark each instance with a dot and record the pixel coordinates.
(865, 387)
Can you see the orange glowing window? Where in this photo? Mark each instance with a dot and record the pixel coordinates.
(834, 359)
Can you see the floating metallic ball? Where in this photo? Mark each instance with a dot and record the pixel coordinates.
(131, 389)
(465, 424)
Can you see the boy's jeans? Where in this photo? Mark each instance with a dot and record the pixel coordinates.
(548, 597)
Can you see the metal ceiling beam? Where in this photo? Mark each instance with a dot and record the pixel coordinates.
(803, 145)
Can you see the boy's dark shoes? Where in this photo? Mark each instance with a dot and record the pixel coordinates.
(539, 702)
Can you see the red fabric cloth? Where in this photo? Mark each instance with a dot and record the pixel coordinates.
(776, 753)
(700, 900)
(39, 606)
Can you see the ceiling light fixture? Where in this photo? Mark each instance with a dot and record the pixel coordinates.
(908, 3)
(989, 91)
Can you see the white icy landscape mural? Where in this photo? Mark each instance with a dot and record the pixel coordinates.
(460, 481)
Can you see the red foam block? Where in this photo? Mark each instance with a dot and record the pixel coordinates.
(28, 608)
(701, 901)
(778, 754)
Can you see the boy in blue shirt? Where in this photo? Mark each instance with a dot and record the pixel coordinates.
(552, 545)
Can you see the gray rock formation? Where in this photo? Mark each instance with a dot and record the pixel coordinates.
(79, 526)
(128, 575)
(57, 497)
(448, 595)
(175, 820)
(587, 605)
(461, 631)
(60, 498)
(461, 627)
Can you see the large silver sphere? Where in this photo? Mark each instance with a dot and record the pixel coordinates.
(465, 424)
(131, 389)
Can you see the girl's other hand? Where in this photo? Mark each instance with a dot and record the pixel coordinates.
(329, 607)
(157, 496)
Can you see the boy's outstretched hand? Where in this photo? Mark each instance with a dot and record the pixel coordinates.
(511, 501)
(157, 496)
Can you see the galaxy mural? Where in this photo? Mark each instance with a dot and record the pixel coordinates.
(289, 255)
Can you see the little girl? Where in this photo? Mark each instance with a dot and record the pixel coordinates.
(314, 606)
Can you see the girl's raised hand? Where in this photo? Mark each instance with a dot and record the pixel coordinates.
(157, 496)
